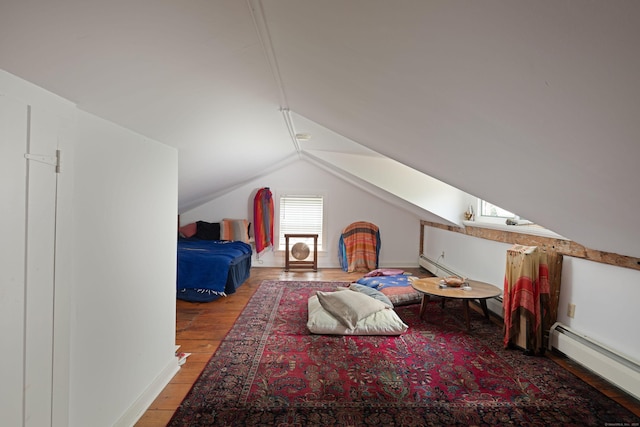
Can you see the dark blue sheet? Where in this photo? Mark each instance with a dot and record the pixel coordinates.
(204, 267)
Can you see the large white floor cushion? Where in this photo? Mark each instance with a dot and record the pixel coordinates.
(379, 318)
(349, 307)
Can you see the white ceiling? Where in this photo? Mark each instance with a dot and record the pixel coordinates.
(533, 105)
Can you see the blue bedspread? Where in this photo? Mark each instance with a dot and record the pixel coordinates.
(204, 265)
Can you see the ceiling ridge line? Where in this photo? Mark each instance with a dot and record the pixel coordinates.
(262, 30)
(286, 113)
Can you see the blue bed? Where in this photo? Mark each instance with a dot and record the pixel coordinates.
(210, 269)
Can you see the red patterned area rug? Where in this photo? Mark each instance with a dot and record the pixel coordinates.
(270, 370)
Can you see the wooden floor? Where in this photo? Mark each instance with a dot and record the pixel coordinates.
(201, 326)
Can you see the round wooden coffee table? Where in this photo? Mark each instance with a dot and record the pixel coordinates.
(430, 286)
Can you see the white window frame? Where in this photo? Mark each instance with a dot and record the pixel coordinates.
(500, 218)
(297, 225)
(499, 223)
(500, 213)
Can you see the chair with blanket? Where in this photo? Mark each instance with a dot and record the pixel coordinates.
(359, 247)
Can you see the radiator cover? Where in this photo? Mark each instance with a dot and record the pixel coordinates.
(609, 364)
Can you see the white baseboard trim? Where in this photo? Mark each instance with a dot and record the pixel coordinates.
(138, 408)
(617, 368)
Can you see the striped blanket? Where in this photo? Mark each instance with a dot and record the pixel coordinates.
(359, 247)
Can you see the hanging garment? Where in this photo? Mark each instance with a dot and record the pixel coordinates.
(526, 297)
(263, 220)
(359, 247)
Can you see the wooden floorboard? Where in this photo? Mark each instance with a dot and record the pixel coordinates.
(201, 326)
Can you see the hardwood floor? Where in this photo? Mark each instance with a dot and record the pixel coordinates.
(200, 327)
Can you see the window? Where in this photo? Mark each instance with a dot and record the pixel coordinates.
(487, 209)
(490, 213)
(301, 215)
(492, 216)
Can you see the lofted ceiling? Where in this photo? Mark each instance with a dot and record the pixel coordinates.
(532, 105)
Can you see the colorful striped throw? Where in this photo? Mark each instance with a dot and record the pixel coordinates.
(359, 247)
(263, 219)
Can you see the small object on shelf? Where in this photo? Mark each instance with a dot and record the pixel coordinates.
(468, 215)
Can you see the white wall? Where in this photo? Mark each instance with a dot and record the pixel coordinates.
(606, 297)
(28, 194)
(123, 324)
(344, 204)
(34, 296)
(476, 258)
(13, 143)
(114, 302)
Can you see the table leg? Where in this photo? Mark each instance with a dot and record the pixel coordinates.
(465, 302)
(423, 304)
(485, 309)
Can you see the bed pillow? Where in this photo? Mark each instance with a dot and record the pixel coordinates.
(373, 293)
(188, 230)
(235, 229)
(208, 230)
(349, 307)
(383, 322)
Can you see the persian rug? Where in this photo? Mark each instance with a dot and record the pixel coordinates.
(269, 370)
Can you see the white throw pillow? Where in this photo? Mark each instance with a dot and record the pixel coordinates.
(349, 306)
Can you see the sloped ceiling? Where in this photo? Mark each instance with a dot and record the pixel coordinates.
(534, 106)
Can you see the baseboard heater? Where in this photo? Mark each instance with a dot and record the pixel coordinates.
(435, 268)
(494, 304)
(609, 364)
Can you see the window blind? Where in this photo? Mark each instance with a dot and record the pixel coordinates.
(301, 215)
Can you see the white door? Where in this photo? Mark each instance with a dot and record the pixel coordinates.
(13, 145)
(27, 259)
